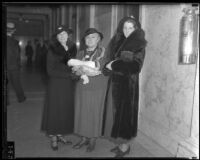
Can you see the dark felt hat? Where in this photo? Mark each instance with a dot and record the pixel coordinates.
(10, 26)
(91, 31)
(62, 28)
(128, 18)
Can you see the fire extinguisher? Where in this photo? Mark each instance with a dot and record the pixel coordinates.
(188, 42)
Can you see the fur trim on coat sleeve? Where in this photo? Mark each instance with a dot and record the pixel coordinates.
(127, 67)
(129, 62)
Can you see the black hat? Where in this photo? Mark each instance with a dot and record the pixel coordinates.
(62, 28)
(91, 31)
(128, 18)
(10, 26)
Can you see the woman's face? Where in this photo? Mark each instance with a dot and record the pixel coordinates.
(62, 37)
(92, 40)
(128, 28)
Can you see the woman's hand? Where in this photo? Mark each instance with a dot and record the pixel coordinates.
(76, 71)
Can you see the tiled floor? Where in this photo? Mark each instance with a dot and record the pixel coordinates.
(23, 127)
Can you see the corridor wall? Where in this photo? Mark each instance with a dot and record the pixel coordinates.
(169, 103)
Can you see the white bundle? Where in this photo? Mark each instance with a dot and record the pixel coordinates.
(87, 68)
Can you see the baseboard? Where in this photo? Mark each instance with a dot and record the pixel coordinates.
(153, 147)
(164, 143)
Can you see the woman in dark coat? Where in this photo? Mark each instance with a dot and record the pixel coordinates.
(126, 56)
(29, 53)
(58, 113)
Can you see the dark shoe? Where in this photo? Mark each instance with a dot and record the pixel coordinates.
(54, 144)
(63, 140)
(22, 100)
(91, 147)
(121, 153)
(115, 149)
(80, 144)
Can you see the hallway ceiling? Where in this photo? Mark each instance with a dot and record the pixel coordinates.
(27, 23)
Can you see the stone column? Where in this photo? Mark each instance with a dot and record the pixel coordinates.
(58, 16)
(114, 16)
(54, 24)
(70, 16)
(92, 15)
(77, 25)
(63, 15)
(49, 20)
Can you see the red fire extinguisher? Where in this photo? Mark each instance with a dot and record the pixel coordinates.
(188, 42)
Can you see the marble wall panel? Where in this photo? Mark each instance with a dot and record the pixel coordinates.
(166, 88)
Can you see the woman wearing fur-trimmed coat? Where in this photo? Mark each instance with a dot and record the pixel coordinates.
(126, 56)
(58, 111)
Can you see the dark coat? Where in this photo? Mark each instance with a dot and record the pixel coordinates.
(13, 67)
(29, 51)
(58, 113)
(57, 59)
(123, 86)
(13, 54)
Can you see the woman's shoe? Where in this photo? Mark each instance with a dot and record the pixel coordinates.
(54, 143)
(121, 153)
(115, 149)
(80, 144)
(91, 146)
(63, 140)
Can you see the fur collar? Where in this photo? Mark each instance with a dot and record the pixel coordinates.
(133, 43)
(97, 55)
(58, 49)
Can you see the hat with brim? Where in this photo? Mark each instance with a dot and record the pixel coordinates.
(11, 26)
(91, 31)
(62, 28)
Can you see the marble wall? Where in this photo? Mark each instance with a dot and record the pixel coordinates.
(102, 21)
(166, 88)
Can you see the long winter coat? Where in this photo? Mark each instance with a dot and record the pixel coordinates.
(13, 67)
(13, 54)
(58, 113)
(121, 105)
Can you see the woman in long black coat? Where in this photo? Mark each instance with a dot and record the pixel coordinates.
(58, 113)
(126, 56)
